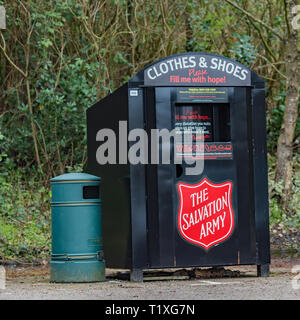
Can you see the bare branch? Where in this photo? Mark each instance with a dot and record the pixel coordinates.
(267, 60)
(286, 16)
(263, 39)
(3, 48)
(248, 14)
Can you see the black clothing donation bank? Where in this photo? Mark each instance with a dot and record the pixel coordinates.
(155, 215)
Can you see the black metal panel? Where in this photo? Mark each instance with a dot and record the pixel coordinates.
(241, 140)
(260, 176)
(165, 178)
(138, 187)
(225, 253)
(115, 191)
(151, 183)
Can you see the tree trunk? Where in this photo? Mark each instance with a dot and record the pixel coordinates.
(284, 167)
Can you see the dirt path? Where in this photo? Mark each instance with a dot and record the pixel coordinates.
(33, 283)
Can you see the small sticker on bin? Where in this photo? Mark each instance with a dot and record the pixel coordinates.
(134, 93)
(91, 192)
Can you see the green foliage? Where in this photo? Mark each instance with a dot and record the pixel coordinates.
(60, 117)
(243, 50)
(290, 217)
(25, 218)
(274, 120)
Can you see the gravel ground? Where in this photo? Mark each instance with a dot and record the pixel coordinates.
(243, 288)
(33, 283)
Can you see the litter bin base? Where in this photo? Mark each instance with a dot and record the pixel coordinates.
(77, 271)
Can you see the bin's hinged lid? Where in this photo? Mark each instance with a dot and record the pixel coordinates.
(75, 177)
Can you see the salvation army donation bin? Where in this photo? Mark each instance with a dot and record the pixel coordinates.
(164, 217)
(77, 250)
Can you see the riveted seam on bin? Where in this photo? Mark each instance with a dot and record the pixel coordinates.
(82, 257)
(75, 257)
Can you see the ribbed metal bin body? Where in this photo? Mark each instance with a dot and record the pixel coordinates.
(77, 248)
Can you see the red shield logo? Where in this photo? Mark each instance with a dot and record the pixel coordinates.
(205, 215)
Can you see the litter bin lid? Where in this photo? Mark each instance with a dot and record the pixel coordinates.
(75, 177)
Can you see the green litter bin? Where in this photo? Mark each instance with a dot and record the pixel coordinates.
(77, 247)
